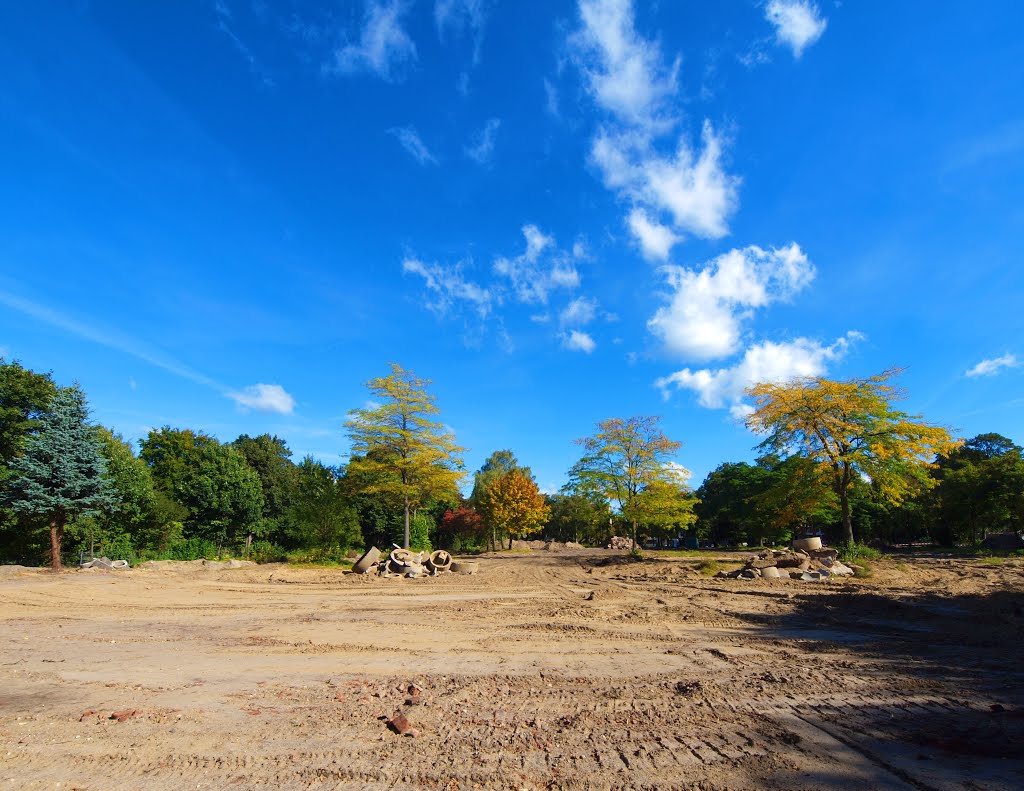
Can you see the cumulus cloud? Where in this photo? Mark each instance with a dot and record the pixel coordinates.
(993, 366)
(578, 341)
(763, 362)
(656, 240)
(383, 47)
(580, 311)
(482, 147)
(708, 307)
(447, 286)
(413, 144)
(536, 272)
(624, 72)
(798, 23)
(662, 175)
(265, 398)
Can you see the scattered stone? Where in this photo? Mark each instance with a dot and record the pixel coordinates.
(620, 542)
(400, 724)
(122, 716)
(104, 563)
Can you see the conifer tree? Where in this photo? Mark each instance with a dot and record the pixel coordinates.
(62, 473)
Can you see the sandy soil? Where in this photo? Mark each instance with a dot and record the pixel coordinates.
(575, 670)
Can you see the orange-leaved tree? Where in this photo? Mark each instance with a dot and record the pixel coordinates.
(514, 505)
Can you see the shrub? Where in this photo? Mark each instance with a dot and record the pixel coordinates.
(849, 553)
(266, 552)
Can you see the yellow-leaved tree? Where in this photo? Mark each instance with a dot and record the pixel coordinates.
(850, 429)
(396, 445)
(513, 504)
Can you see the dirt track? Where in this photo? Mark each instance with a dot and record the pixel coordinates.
(542, 671)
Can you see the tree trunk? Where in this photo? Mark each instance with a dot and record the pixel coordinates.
(636, 547)
(844, 501)
(406, 502)
(56, 536)
(510, 541)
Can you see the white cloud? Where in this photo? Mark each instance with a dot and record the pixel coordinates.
(705, 315)
(624, 71)
(626, 76)
(411, 142)
(533, 275)
(265, 398)
(691, 186)
(798, 23)
(578, 341)
(458, 16)
(656, 240)
(993, 366)
(383, 48)
(449, 286)
(482, 147)
(763, 362)
(580, 311)
(551, 98)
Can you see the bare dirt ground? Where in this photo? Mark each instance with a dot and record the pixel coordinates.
(575, 670)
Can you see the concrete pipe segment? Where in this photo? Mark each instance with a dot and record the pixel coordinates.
(807, 544)
(439, 561)
(464, 566)
(367, 561)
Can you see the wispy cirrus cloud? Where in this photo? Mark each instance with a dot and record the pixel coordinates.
(708, 306)
(797, 23)
(448, 286)
(538, 270)
(382, 46)
(225, 23)
(684, 189)
(410, 140)
(993, 366)
(262, 396)
(481, 149)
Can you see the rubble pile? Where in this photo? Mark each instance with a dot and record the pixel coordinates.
(620, 542)
(406, 563)
(807, 561)
(104, 563)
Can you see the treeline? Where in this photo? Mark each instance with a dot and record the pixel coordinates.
(67, 485)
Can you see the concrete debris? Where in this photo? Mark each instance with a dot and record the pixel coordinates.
(104, 563)
(410, 565)
(620, 542)
(400, 724)
(807, 561)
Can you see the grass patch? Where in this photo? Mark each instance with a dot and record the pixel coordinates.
(855, 552)
(992, 560)
(863, 571)
(902, 567)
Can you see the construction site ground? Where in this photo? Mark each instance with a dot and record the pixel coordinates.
(575, 670)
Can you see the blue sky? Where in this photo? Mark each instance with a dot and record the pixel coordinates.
(228, 215)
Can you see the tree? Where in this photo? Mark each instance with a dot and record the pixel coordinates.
(578, 517)
(271, 459)
(461, 526)
(321, 513)
(514, 505)
(980, 489)
(496, 466)
(24, 395)
(850, 429)
(62, 473)
(666, 507)
(213, 481)
(622, 460)
(398, 437)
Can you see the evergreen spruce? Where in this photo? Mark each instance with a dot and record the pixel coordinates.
(62, 472)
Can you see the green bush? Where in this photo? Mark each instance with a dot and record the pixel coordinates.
(266, 552)
(850, 553)
(185, 549)
(319, 556)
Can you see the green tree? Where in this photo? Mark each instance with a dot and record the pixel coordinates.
(270, 457)
(578, 517)
(213, 481)
(24, 395)
(400, 449)
(850, 429)
(980, 486)
(666, 508)
(321, 514)
(622, 460)
(62, 473)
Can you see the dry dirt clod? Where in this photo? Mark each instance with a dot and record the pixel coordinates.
(400, 724)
